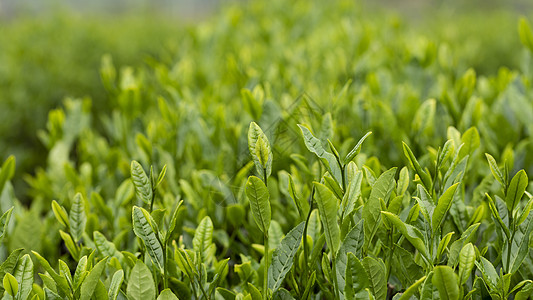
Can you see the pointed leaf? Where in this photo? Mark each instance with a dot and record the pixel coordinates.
(443, 206)
(259, 198)
(283, 257)
(411, 233)
(516, 190)
(260, 150)
(24, 276)
(375, 269)
(356, 149)
(88, 286)
(77, 217)
(141, 182)
(315, 146)
(445, 280)
(144, 230)
(140, 283)
(203, 238)
(327, 208)
(372, 209)
(114, 286)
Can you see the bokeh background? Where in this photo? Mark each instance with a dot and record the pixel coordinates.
(51, 50)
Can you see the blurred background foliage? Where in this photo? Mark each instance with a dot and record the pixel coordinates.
(50, 50)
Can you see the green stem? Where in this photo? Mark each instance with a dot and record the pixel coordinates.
(334, 269)
(306, 247)
(265, 270)
(165, 275)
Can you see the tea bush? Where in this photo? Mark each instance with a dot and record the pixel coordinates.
(310, 153)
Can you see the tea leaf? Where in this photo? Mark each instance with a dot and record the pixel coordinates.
(142, 184)
(283, 257)
(327, 208)
(140, 283)
(259, 196)
(77, 217)
(445, 280)
(143, 229)
(89, 284)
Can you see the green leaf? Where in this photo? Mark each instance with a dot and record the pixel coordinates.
(88, 286)
(80, 273)
(301, 204)
(161, 176)
(525, 33)
(7, 171)
(282, 294)
(496, 216)
(254, 292)
(471, 142)
(411, 233)
(4, 221)
(520, 245)
(10, 284)
(142, 184)
(455, 249)
(376, 271)
(495, 170)
(413, 163)
(371, 211)
(490, 276)
(143, 229)
(353, 242)
(427, 207)
(356, 277)
(173, 221)
(352, 194)
(327, 208)
(412, 290)
(140, 284)
(443, 206)
(114, 286)
(526, 290)
(59, 280)
(467, 259)
(353, 153)
(429, 290)
(443, 244)
(203, 238)
(445, 280)
(259, 196)
(445, 153)
(60, 213)
(8, 266)
(77, 217)
(260, 150)
(283, 257)
(24, 276)
(516, 190)
(105, 247)
(315, 146)
(424, 116)
(167, 294)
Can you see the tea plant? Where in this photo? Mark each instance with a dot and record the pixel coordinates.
(283, 168)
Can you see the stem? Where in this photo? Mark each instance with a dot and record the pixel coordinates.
(165, 275)
(306, 247)
(334, 269)
(153, 200)
(265, 270)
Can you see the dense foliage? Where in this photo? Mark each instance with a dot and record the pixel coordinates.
(309, 153)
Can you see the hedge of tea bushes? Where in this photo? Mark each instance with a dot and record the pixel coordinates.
(178, 129)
